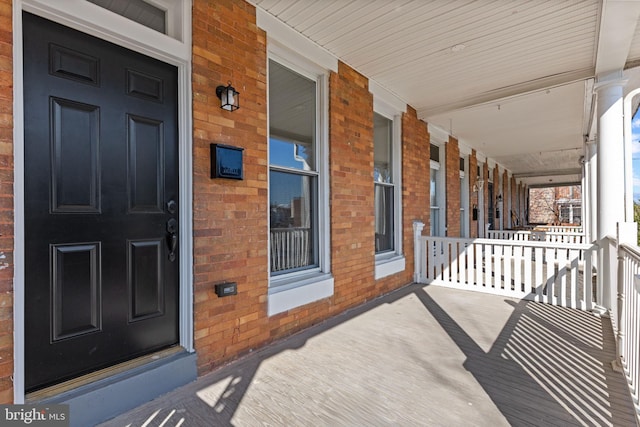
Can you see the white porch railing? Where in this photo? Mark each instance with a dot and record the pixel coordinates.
(627, 319)
(289, 248)
(554, 273)
(560, 228)
(538, 236)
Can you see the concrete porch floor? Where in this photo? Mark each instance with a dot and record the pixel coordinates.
(421, 356)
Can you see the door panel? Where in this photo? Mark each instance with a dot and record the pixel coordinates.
(75, 178)
(75, 293)
(101, 285)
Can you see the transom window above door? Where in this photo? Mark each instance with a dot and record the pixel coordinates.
(163, 16)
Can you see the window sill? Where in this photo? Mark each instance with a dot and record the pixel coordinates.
(388, 266)
(287, 294)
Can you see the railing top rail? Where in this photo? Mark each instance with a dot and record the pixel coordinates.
(634, 251)
(557, 226)
(553, 233)
(503, 242)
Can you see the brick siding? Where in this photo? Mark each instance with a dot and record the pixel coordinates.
(473, 196)
(452, 182)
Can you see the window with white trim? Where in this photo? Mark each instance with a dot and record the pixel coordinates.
(385, 192)
(436, 182)
(293, 171)
(387, 182)
(299, 256)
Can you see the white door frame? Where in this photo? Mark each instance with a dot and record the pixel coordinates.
(94, 20)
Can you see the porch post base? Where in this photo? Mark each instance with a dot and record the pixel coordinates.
(617, 365)
(600, 311)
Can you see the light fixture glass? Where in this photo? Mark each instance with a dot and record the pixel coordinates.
(229, 97)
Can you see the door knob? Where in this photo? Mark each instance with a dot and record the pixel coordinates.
(172, 207)
(172, 238)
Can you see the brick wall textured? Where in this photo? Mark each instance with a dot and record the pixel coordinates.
(515, 208)
(452, 182)
(352, 198)
(230, 224)
(6, 202)
(496, 191)
(505, 197)
(485, 197)
(473, 195)
(415, 188)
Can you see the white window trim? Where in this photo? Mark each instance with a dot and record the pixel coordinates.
(291, 290)
(440, 191)
(96, 21)
(392, 262)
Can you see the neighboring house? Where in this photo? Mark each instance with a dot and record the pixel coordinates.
(120, 236)
(555, 205)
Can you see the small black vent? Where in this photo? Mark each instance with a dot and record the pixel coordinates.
(435, 153)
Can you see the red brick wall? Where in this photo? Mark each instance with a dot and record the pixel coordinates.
(514, 202)
(230, 217)
(352, 201)
(415, 185)
(505, 197)
(6, 202)
(496, 190)
(473, 196)
(452, 182)
(485, 196)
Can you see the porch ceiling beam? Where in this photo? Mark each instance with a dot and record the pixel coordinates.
(516, 90)
(617, 26)
(556, 172)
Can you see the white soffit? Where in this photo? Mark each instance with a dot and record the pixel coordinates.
(288, 37)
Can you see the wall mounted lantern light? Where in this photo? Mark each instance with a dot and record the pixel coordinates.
(499, 198)
(229, 97)
(478, 185)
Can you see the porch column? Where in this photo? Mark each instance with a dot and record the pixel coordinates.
(610, 154)
(590, 193)
(610, 178)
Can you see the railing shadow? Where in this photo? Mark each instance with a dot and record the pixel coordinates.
(552, 367)
(547, 366)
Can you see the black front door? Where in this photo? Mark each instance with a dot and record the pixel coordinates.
(101, 186)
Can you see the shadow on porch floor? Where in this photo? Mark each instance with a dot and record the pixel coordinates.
(421, 356)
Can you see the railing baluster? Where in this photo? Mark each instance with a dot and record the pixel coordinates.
(488, 264)
(562, 276)
(452, 261)
(539, 280)
(574, 256)
(507, 256)
(517, 269)
(528, 263)
(471, 263)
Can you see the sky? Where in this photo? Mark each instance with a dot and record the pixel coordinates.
(635, 150)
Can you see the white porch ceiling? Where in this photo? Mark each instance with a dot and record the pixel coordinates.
(510, 78)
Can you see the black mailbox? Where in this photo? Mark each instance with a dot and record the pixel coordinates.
(226, 162)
